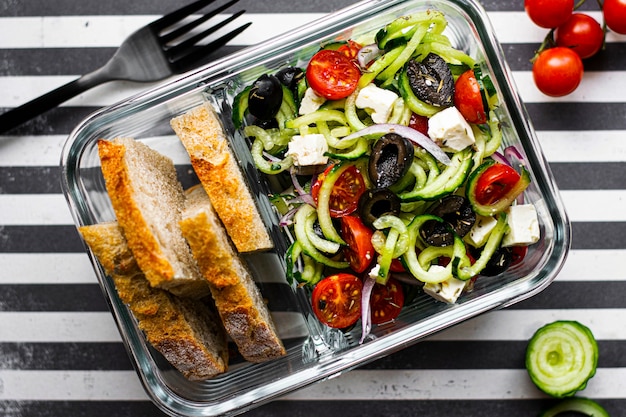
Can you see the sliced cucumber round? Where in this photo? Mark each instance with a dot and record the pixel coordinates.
(561, 357)
(583, 406)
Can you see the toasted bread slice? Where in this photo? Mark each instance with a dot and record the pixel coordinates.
(187, 332)
(237, 298)
(148, 201)
(214, 162)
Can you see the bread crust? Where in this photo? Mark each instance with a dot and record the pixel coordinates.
(148, 200)
(187, 332)
(215, 164)
(238, 299)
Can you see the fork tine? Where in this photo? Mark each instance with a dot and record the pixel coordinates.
(187, 28)
(179, 49)
(179, 14)
(201, 54)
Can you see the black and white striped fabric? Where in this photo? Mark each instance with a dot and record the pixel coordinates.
(60, 352)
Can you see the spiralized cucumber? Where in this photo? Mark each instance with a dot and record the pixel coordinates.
(561, 357)
(579, 405)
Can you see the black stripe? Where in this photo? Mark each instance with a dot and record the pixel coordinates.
(589, 175)
(285, 408)
(612, 58)
(65, 356)
(598, 235)
(52, 297)
(593, 293)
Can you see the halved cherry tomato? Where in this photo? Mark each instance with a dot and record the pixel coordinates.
(344, 198)
(350, 49)
(359, 250)
(468, 98)
(396, 266)
(518, 253)
(336, 300)
(495, 183)
(386, 301)
(332, 74)
(419, 123)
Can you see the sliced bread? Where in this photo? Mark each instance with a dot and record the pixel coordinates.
(215, 164)
(237, 297)
(148, 201)
(187, 332)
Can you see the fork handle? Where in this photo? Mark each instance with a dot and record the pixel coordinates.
(25, 112)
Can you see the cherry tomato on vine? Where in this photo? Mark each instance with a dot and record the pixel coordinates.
(336, 300)
(332, 74)
(386, 301)
(582, 33)
(344, 197)
(495, 183)
(615, 15)
(549, 13)
(558, 71)
(359, 250)
(468, 98)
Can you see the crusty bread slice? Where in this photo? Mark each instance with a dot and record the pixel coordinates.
(237, 297)
(187, 332)
(148, 201)
(215, 164)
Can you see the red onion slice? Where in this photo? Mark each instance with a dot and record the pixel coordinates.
(407, 132)
(306, 197)
(367, 54)
(366, 315)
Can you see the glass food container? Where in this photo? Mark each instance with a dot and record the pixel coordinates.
(315, 352)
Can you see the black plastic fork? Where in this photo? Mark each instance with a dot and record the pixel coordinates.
(148, 54)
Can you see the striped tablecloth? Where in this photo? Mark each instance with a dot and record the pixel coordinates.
(60, 352)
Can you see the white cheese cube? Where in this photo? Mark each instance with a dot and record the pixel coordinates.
(310, 102)
(523, 226)
(308, 149)
(479, 233)
(378, 101)
(449, 129)
(447, 291)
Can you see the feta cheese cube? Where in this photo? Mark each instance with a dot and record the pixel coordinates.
(308, 149)
(378, 101)
(479, 233)
(447, 291)
(523, 226)
(449, 129)
(310, 102)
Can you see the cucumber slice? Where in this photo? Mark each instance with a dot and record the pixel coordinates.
(583, 406)
(561, 357)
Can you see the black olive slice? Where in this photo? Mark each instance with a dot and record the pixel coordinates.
(265, 98)
(431, 80)
(377, 202)
(391, 158)
(457, 212)
(498, 263)
(436, 233)
(290, 76)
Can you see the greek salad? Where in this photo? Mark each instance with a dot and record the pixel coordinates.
(390, 152)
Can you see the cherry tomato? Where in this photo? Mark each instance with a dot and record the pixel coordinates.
(615, 15)
(419, 123)
(336, 300)
(332, 74)
(518, 253)
(396, 266)
(344, 198)
(582, 33)
(495, 183)
(549, 13)
(558, 71)
(350, 49)
(386, 301)
(359, 250)
(468, 98)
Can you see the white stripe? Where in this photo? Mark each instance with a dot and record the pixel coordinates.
(110, 31)
(583, 145)
(46, 268)
(595, 205)
(366, 385)
(594, 265)
(595, 87)
(496, 325)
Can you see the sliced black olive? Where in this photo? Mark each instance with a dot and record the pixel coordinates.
(377, 202)
(437, 233)
(431, 80)
(390, 160)
(265, 98)
(290, 76)
(498, 263)
(457, 212)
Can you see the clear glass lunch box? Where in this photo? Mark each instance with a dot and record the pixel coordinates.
(315, 352)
